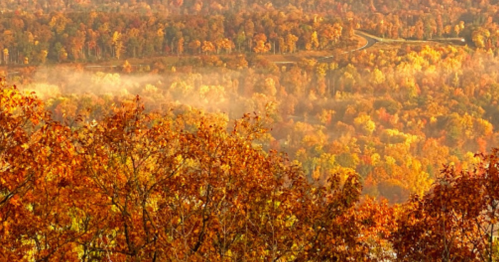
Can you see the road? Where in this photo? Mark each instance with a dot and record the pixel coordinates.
(370, 41)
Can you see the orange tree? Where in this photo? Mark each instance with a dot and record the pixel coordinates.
(456, 220)
(36, 163)
(184, 188)
(140, 186)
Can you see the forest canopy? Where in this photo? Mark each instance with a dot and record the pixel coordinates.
(183, 186)
(187, 130)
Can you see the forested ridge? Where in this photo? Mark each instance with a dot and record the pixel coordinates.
(186, 130)
(59, 31)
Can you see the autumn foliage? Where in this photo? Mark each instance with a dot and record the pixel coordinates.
(183, 185)
(48, 31)
(456, 220)
(142, 186)
(132, 146)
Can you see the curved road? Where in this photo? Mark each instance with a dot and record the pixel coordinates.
(372, 40)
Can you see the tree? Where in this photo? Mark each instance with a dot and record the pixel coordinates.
(365, 124)
(194, 46)
(6, 55)
(180, 46)
(261, 45)
(314, 41)
(208, 47)
(145, 186)
(117, 44)
(291, 42)
(456, 220)
(31, 148)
